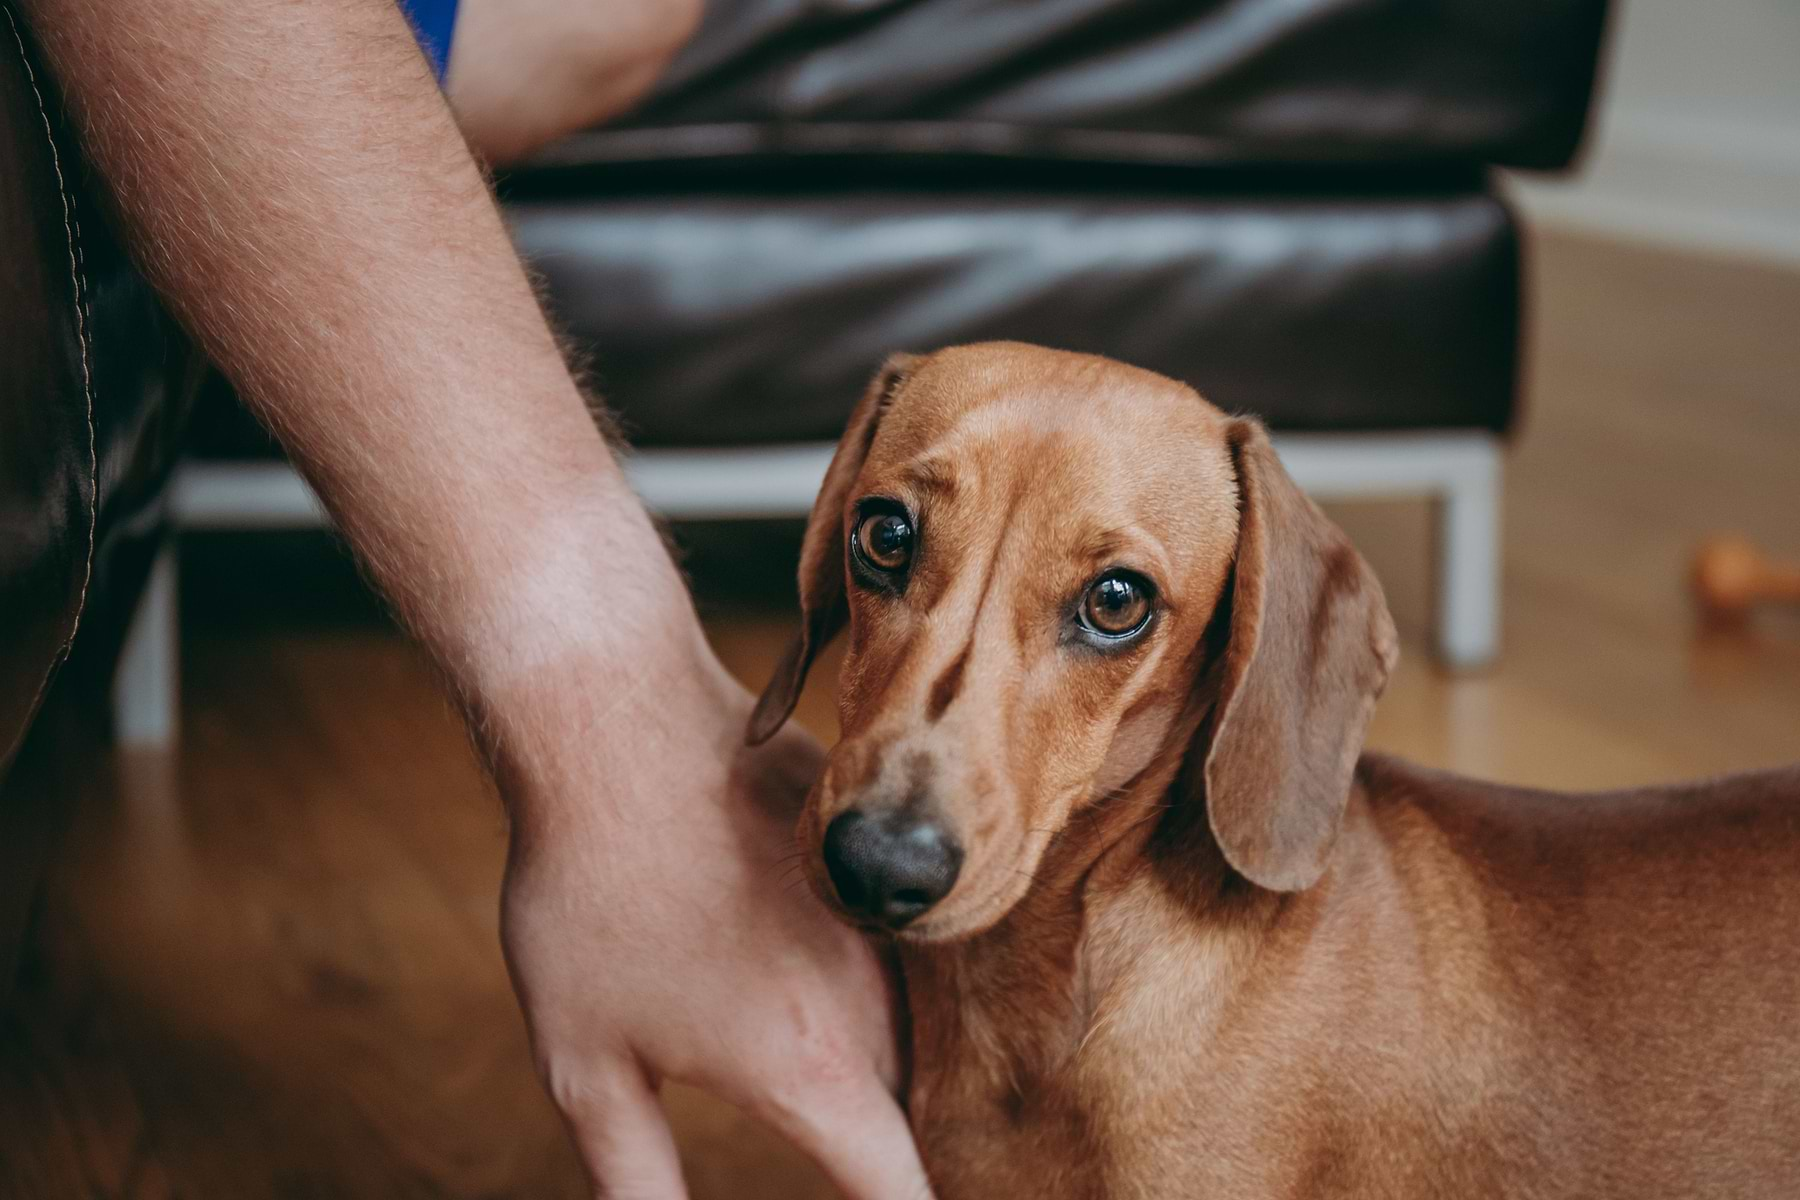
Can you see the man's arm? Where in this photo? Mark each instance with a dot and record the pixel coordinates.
(293, 183)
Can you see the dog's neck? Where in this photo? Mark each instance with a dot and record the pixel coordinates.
(1003, 1013)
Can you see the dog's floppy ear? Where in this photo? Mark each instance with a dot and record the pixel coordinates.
(1310, 646)
(822, 606)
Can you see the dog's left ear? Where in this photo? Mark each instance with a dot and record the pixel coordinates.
(822, 607)
(1310, 648)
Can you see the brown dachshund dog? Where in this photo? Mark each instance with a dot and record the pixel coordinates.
(1165, 932)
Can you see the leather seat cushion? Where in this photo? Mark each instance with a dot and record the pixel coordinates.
(735, 318)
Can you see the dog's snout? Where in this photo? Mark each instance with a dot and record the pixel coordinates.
(890, 867)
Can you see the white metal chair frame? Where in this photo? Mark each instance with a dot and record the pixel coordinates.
(1458, 470)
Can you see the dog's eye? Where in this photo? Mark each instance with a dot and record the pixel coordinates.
(1116, 605)
(884, 541)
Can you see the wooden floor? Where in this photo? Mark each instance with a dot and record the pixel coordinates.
(268, 966)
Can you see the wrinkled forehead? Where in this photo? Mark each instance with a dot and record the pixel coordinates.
(1068, 442)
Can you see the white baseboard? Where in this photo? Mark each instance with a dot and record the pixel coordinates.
(1715, 187)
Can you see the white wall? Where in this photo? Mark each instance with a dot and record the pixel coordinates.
(1697, 141)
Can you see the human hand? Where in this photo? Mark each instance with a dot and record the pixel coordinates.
(656, 927)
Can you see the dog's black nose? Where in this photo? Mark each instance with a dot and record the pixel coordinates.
(892, 866)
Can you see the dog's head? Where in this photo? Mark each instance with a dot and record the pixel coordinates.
(1062, 574)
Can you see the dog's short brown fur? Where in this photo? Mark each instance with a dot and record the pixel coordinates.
(1198, 945)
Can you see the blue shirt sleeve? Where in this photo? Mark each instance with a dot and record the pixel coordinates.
(433, 21)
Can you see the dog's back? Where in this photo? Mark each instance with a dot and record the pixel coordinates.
(1494, 991)
(1642, 951)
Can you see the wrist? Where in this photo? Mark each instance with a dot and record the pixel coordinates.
(590, 679)
(577, 743)
(572, 571)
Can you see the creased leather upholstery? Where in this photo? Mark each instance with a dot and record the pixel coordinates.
(1284, 202)
(1184, 81)
(91, 384)
(46, 479)
(732, 318)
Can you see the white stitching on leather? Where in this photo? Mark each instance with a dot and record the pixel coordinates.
(77, 261)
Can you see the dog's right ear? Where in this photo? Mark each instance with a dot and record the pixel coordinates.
(1311, 647)
(823, 609)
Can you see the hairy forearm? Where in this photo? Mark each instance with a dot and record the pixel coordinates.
(294, 185)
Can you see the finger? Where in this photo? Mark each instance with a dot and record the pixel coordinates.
(860, 1138)
(624, 1140)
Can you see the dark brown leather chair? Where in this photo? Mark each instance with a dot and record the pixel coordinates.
(93, 383)
(1288, 203)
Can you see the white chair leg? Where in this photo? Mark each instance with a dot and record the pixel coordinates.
(1468, 561)
(146, 698)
